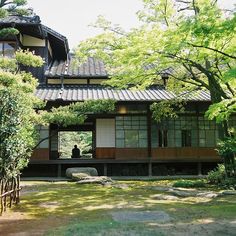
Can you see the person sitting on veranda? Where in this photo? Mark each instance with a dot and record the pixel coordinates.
(75, 152)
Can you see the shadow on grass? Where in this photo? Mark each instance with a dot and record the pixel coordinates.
(87, 208)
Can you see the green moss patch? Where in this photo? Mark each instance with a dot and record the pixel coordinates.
(66, 208)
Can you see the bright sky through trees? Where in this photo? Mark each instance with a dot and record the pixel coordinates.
(72, 17)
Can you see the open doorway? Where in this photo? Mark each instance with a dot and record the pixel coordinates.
(67, 140)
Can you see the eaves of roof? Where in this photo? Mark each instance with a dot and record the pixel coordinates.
(72, 93)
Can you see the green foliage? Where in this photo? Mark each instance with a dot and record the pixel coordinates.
(3, 13)
(219, 177)
(223, 110)
(166, 109)
(10, 7)
(16, 132)
(227, 147)
(227, 150)
(76, 113)
(195, 40)
(17, 102)
(189, 183)
(67, 140)
(7, 64)
(8, 32)
(27, 58)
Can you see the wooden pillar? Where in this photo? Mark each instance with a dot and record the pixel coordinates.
(199, 168)
(150, 169)
(149, 135)
(105, 169)
(59, 170)
(94, 145)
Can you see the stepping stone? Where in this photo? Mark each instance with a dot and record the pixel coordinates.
(85, 170)
(165, 197)
(140, 216)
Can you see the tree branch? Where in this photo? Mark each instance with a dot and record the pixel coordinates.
(184, 80)
(165, 13)
(213, 49)
(195, 77)
(42, 140)
(230, 89)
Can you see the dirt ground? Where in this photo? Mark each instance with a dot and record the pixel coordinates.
(94, 210)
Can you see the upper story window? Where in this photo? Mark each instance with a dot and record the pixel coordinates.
(7, 49)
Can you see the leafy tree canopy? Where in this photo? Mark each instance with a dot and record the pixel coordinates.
(192, 42)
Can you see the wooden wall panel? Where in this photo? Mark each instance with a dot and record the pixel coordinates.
(131, 153)
(105, 153)
(185, 154)
(40, 154)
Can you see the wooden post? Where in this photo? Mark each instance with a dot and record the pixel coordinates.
(59, 170)
(105, 169)
(149, 135)
(199, 168)
(150, 169)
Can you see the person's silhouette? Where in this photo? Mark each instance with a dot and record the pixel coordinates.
(75, 152)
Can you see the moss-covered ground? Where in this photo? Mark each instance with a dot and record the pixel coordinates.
(66, 208)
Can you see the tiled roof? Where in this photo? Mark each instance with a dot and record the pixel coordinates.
(32, 20)
(91, 68)
(53, 32)
(20, 20)
(95, 92)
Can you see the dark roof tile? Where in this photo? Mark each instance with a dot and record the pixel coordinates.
(91, 68)
(20, 19)
(95, 92)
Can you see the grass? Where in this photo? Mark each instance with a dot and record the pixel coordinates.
(189, 183)
(66, 208)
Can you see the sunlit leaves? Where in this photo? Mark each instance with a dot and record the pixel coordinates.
(223, 110)
(27, 58)
(166, 109)
(5, 32)
(77, 113)
(195, 40)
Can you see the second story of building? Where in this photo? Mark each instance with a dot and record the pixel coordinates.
(60, 67)
(35, 37)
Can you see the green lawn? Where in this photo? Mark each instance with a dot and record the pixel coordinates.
(66, 208)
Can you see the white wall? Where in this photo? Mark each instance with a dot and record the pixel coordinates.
(32, 41)
(43, 133)
(105, 133)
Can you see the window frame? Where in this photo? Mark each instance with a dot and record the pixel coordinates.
(2, 46)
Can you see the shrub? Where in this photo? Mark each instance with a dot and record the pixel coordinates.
(189, 183)
(217, 176)
(227, 150)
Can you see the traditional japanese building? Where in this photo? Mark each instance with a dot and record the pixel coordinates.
(125, 142)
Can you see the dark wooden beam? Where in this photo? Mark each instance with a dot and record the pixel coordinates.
(149, 134)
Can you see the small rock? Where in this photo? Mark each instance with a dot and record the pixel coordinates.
(161, 189)
(79, 176)
(140, 216)
(86, 170)
(121, 186)
(103, 180)
(229, 192)
(165, 197)
(207, 195)
(179, 193)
